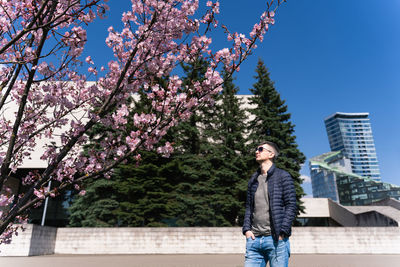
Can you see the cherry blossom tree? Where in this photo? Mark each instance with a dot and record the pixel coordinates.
(41, 48)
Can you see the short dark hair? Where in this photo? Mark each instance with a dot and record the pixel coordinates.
(274, 146)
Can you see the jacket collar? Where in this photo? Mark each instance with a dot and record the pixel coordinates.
(269, 172)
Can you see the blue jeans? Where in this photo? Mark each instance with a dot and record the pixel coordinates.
(264, 249)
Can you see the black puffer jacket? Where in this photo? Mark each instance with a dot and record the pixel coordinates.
(282, 202)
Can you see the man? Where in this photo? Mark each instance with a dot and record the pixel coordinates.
(270, 210)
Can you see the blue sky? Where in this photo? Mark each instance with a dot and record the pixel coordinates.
(324, 56)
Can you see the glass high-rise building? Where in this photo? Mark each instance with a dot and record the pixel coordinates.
(351, 133)
(331, 177)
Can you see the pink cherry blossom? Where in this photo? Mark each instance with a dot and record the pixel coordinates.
(56, 104)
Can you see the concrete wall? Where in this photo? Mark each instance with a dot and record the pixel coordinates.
(43, 240)
(198, 240)
(20, 244)
(340, 240)
(388, 202)
(35, 240)
(341, 215)
(345, 240)
(149, 240)
(315, 207)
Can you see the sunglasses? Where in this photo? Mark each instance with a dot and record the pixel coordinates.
(261, 149)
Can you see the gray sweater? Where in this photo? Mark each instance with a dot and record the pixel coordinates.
(261, 223)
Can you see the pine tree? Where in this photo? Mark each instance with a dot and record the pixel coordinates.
(135, 195)
(271, 122)
(159, 191)
(203, 183)
(95, 208)
(145, 192)
(193, 193)
(230, 156)
(212, 192)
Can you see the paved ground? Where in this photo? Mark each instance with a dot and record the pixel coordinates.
(234, 260)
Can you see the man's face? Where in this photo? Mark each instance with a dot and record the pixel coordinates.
(264, 152)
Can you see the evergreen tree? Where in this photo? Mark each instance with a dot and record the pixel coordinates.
(193, 193)
(271, 122)
(230, 156)
(159, 191)
(212, 192)
(145, 192)
(135, 195)
(203, 183)
(95, 208)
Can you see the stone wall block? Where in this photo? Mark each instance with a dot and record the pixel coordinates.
(38, 240)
